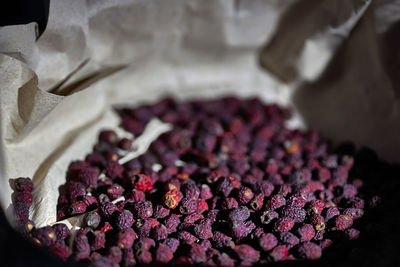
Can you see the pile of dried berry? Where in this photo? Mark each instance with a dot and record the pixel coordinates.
(229, 185)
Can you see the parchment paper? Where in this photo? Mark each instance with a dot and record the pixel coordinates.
(56, 91)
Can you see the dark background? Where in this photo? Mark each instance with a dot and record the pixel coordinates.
(380, 235)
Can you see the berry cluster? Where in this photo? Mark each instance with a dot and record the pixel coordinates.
(229, 185)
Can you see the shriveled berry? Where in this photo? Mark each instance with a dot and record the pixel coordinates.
(186, 237)
(268, 216)
(88, 176)
(114, 170)
(172, 243)
(137, 195)
(274, 202)
(160, 232)
(331, 212)
(257, 202)
(81, 248)
(354, 213)
(224, 187)
(309, 250)
(143, 209)
(306, 232)
(61, 231)
(142, 227)
(225, 261)
(97, 240)
(298, 199)
(163, 254)
(283, 224)
(279, 253)
(26, 227)
(197, 253)
(316, 207)
(45, 235)
(108, 209)
(23, 197)
(108, 136)
(352, 233)
(114, 253)
(203, 229)
(125, 238)
(190, 191)
(172, 223)
(247, 253)
(267, 241)
(289, 239)
(75, 190)
(143, 182)
(61, 251)
(239, 215)
(115, 191)
(23, 184)
(343, 222)
(294, 212)
(124, 220)
(221, 240)
(188, 206)
(172, 199)
(263, 187)
(78, 207)
(160, 212)
(245, 195)
(318, 222)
